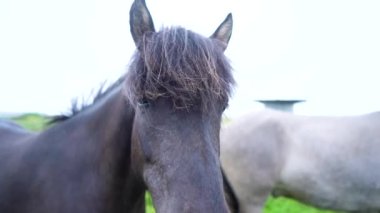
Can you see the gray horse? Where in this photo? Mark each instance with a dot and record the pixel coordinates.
(328, 162)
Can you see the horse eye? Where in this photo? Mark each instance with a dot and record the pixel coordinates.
(144, 103)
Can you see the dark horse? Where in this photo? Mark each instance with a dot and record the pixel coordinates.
(155, 129)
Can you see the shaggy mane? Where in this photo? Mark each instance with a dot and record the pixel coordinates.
(181, 65)
(77, 107)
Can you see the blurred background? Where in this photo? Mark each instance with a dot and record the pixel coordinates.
(325, 52)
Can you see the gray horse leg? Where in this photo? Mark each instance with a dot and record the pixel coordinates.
(250, 208)
(253, 198)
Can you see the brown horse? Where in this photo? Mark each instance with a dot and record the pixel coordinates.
(155, 129)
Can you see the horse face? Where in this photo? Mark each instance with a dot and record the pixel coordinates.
(178, 151)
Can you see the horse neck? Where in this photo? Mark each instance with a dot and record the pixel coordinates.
(106, 126)
(101, 134)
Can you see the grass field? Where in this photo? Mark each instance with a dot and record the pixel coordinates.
(37, 122)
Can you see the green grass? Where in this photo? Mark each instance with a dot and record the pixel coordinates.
(32, 121)
(36, 122)
(285, 205)
(149, 204)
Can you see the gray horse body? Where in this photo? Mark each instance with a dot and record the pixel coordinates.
(328, 162)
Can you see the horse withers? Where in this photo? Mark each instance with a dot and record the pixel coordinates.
(328, 162)
(157, 128)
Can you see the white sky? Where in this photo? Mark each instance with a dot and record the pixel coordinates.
(324, 51)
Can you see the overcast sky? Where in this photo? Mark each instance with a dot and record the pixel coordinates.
(324, 51)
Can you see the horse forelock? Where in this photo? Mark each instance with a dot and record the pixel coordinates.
(181, 65)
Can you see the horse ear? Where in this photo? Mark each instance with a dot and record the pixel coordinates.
(224, 31)
(140, 20)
